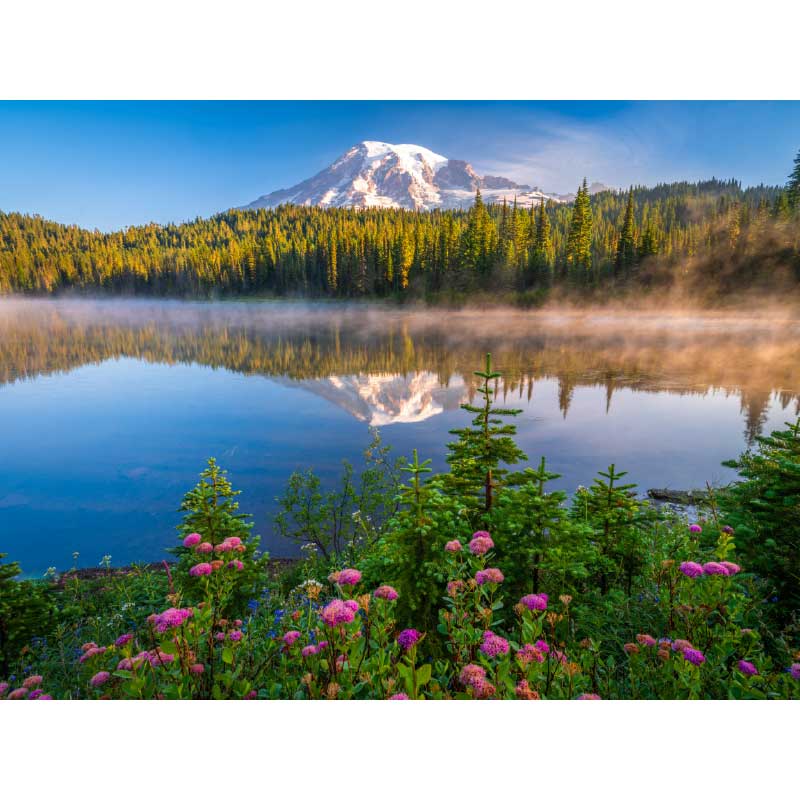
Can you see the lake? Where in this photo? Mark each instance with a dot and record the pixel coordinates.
(110, 408)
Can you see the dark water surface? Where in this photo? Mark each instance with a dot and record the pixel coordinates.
(109, 409)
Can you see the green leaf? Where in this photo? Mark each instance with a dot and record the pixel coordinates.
(227, 655)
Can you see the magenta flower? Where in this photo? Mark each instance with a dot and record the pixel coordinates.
(691, 569)
(197, 669)
(490, 575)
(339, 612)
(204, 548)
(481, 545)
(714, 568)
(171, 618)
(542, 645)
(679, 645)
(236, 564)
(290, 638)
(454, 546)
(123, 640)
(19, 694)
(158, 658)
(223, 547)
(588, 696)
(100, 678)
(399, 696)
(235, 636)
(747, 668)
(3, 687)
(203, 568)
(233, 541)
(731, 567)
(794, 671)
(471, 673)
(529, 653)
(386, 593)
(646, 640)
(91, 652)
(36, 694)
(727, 529)
(481, 535)
(693, 656)
(31, 681)
(408, 638)
(534, 602)
(192, 539)
(493, 645)
(308, 650)
(695, 528)
(348, 577)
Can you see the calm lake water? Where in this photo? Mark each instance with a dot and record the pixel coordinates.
(109, 409)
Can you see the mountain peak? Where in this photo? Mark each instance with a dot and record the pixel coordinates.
(373, 174)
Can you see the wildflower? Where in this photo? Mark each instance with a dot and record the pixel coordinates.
(731, 567)
(88, 646)
(481, 545)
(204, 548)
(630, 648)
(236, 564)
(646, 640)
(123, 640)
(237, 623)
(453, 546)
(713, 568)
(348, 577)
(663, 653)
(31, 681)
(482, 689)
(399, 696)
(386, 593)
(308, 651)
(91, 652)
(339, 612)
(794, 671)
(36, 694)
(100, 678)
(290, 638)
(171, 618)
(524, 691)
(529, 653)
(695, 528)
(3, 687)
(192, 539)
(588, 696)
(333, 690)
(159, 658)
(236, 636)
(693, 656)
(408, 638)
(233, 541)
(204, 568)
(490, 575)
(197, 669)
(566, 599)
(18, 694)
(481, 535)
(691, 569)
(470, 673)
(542, 645)
(727, 529)
(747, 668)
(454, 587)
(223, 547)
(534, 602)
(679, 645)
(493, 645)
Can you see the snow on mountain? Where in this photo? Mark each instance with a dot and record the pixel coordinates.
(387, 399)
(377, 174)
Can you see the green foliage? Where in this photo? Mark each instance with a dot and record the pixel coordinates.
(344, 519)
(476, 455)
(764, 510)
(26, 610)
(211, 510)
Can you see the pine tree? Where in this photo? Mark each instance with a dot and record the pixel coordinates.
(542, 249)
(579, 241)
(626, 248)
(793, 185)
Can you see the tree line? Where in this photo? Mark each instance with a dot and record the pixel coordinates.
(711, 233)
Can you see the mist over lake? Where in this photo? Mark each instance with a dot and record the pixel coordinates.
(110, 408)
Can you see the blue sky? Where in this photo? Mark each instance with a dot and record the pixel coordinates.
(112, 164)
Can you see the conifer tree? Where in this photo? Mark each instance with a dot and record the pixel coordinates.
(793, 185)
(626, 248)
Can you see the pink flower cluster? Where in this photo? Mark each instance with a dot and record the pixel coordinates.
(694, 570)
(198, 570)
(24, 692)
(192, 539)
(171, 618)
(473, 676)
(693, 656)
(747, 668)
(646, 640)
(90, 649)
(481, 543)
(453, 546)
(493, 645)
(339, 612)
(290, 637)
(408, 638)
(490, 575)
(529, 653)
(348, 577)
(535, 602)
(386, 593)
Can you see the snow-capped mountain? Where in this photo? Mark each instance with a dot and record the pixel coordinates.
(377, 174)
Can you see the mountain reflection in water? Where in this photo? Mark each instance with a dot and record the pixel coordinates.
(109, 407)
